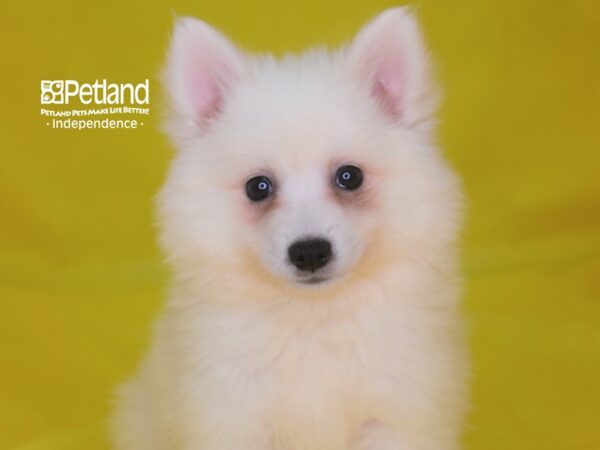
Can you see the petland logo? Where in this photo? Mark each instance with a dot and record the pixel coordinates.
(101, 92)
(104, 98)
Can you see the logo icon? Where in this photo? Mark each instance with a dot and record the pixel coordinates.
(52, 92)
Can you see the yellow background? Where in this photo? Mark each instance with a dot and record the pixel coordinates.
(81, 277)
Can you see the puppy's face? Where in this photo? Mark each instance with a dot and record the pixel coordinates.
(309, 202)
(306, 221)
(307, 170)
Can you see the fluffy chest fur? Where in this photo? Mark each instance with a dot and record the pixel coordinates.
(306, 376)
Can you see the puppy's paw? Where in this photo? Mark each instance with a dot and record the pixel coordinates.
(375, 435)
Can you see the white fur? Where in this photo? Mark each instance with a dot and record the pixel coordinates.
(245, 357)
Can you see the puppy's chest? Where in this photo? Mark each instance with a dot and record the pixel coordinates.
(315, 366)
(314, 382)
(319, 378)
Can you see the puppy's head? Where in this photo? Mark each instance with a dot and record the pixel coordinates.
(306, 170)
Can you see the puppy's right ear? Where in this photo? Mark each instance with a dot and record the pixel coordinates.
(201, 67)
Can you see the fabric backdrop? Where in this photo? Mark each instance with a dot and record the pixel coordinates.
(81, 278)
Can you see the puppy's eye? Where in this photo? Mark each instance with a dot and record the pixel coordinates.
(349, 178)
(258, 188)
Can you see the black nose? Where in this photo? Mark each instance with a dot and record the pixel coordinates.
(310, 254)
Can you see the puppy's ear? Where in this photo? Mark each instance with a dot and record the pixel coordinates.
(389, 55)
(201, 68)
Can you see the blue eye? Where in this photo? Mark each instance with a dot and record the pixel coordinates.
(349, 178)
(259, 188)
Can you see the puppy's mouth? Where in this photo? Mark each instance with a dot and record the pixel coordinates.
(314, 280)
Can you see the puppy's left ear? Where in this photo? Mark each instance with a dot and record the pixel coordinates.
(390, 57)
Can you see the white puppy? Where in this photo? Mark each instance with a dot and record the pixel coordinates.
(311, 225)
